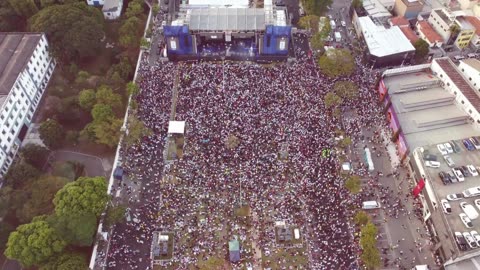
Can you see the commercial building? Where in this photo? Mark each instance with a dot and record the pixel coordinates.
(470, 69)
(475, 22)
(441, 21)
(25, 70)
(405, 27)
(427, 33)
(465, 33)
(407, 8)
(376, 10)
(386, 45)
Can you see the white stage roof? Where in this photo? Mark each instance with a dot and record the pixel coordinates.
(176, 127)
(382, 41)
(223, 19)
(219, 3)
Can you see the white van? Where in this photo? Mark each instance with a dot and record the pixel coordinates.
(370, 205)
(471, 192)
(458, 57)
(469, 210)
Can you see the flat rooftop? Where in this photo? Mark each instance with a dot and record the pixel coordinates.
(465, 24)
(219, 3)
(222, 19)
(426, 112)
(15, 51)
(441, 13)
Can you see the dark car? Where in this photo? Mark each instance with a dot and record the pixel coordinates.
(461, 242)
(430, 157)
(455, 146)
(468, 145)
(445, 178)
(464, 171)
(452, 177)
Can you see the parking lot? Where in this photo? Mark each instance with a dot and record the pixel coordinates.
(462, 158)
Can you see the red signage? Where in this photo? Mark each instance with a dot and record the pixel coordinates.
(419, 187)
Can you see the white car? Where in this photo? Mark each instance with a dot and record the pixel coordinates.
(472, 170)
(442, 149)
(459, 175)
(470, 240)
(466, 221)
(476, 236)
(449, 161)
(455, 197)
(446, 206)
(448, 147)
(343, 23)
(432, 164)
(477, 203)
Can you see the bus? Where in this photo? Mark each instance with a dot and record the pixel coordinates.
(368, 159)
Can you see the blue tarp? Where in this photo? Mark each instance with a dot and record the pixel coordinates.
(273, 34)
(118, 173)
(182, 35)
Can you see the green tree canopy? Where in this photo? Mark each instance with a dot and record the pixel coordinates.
(134, 9)
(41, 193)
(75, 230)
(82, 197)
(5, 230)
(102, 113)
(337, 62)
(316, 7)
(371, 257)
(309, 22)
(73, 30)
(10, 21)
(51, 133)
(108, 132)
(346, 89)
(130, 33)
(132, 89)
(332, 100)
(86, 99)
(20, 174)
(24, 8)
(317, 42)
(66, 261)
(35, 155)
(327, 28)
(115, 214)
(353, 184)
(33, 243)
(361, 218)
(421, 49)
(136, 130)
(106, 96)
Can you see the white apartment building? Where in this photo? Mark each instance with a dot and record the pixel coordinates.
(25, 69)
(441, 21)
(470, 69)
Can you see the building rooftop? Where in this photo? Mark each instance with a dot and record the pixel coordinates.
(472, 62)
(412, 3)
(409, 33)
(444, 16)
(111, 5)
(475, 22)
(382, 41)
(464, 23)
(221, 19)
(375, 9)
(15, 51)
(457, 78)
(400, 21)
(219, 3)
(429, 32)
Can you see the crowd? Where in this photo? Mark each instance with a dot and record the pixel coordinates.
(276, 117)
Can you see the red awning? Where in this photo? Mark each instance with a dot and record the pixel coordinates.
(419, 187)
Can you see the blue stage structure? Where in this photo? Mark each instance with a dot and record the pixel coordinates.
(179, 40)
(276, 40)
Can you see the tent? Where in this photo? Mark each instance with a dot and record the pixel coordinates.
(234, 250)
(176, 127)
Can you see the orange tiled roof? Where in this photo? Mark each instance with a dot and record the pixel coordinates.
(409, 34)
(399, 20)
(429, 32)
(475, 22)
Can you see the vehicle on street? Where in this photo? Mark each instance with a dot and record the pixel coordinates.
(370, 205)
(470, 240)
(445, 178)
(344, 24)
(452, 177)
(468, 145)
(472, 170)
(465, 220)
(458, 58)
(430, 157)
(475, 142)
(469, 210)
(448, 147)
(332, 24)
(338, 37)
(476, 236)
(432, 164)
(455, 197)
(449, 160)
(455, 146)
(447, 209)
(441, 148)
(471, 192)
(461, 242)
(458, 175)
(477, 203)
(464, 171)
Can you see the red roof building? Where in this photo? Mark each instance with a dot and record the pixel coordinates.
(429, 34)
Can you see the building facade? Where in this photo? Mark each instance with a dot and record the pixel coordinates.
(112, 9)
(466, 32)
(441, 21)
(95, 2)
(408, 8)
(24, 75)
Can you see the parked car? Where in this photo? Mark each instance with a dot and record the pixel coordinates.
(445, 178)
(476, 236)
(470, 240)
(448, 147)
(455, 146)
(447, 209)
(430, 157)
(477, 203)
(458, 175)
(464, 171)
(475, 142)
(449, 160)
(465, 220)
(455, 197)
(468, 145)
(441, 148)
(471, 192)
(461, 242)
(469, 210)
(432, 164)
(452, 177)
(472, 170)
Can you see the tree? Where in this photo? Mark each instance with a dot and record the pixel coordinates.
(24, 8)
(132, 89)
(361, 218)
(123, 68)
(51, 133)
(73, 30)
(136, 130)
(368, 235)
(108, 132)
(86, 99)
(309, 22)
(10, 21)
(371, 257)
(213, 263)
(82, 197)
(77, 230)
(129, 33)
(337, 62)
(5, 230)
(346, 89)
(316, 7)
(332, 100)
(421, 49)
(82, 77)
(134, 9)
(357, 3)
(353, 184)
(144, 43)
(35, 155)
(102, 113)
(20, 174)
(317, 42)
(106, 96)
(66, 261)
(345, 142)
(155, 9)
(115, 214)
(34, 243)
(41, 193)
(326, 29)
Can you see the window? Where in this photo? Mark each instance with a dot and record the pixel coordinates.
(12, 131)
(448, 84)
(470, 111)
(3, 132)
(455, 93)
(441, 75)
(463, 102)
(9, 139)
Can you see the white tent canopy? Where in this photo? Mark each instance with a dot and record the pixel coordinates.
(176, 127)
